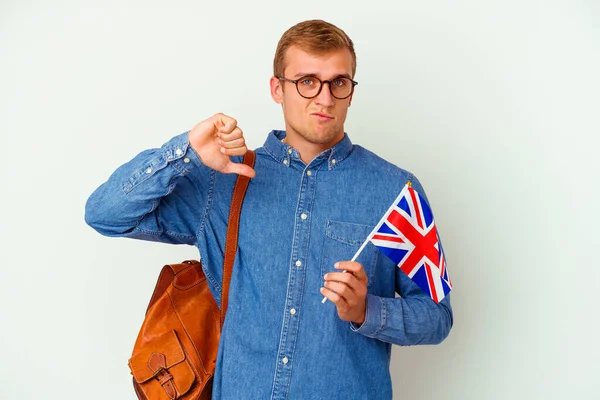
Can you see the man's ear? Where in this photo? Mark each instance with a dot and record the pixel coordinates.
(350, 100)
(276, 90)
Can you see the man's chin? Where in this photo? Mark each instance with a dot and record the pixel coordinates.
(327, 135)
(325, 139)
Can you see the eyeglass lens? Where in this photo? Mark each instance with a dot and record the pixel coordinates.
(309, 86)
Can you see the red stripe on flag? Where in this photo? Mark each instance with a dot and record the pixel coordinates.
(442, 265)
(389, 238)
(432, 288)
(416, 204)
(424, 245)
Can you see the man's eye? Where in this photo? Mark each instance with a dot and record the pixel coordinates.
(339, 82)
(307, 82)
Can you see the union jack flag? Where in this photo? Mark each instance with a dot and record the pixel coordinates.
(408, 236)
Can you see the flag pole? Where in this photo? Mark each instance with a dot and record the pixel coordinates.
(362, 246)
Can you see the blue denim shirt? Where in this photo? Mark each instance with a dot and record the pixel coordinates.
(279, 341)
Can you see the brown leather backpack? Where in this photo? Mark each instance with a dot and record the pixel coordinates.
(175, 354)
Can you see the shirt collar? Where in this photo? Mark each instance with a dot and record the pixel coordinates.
(283, 153)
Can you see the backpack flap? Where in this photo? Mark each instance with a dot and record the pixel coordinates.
(160, 368)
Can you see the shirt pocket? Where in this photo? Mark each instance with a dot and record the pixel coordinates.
(342, 241)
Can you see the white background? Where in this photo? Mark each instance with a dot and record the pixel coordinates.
(492, 104)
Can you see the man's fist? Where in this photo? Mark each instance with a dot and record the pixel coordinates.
(215, 140)
(348, 291)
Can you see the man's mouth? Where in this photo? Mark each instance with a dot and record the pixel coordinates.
(323, 117)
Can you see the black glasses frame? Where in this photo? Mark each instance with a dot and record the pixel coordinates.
(295, 82)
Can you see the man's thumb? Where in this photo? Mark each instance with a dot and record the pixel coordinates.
(240, 169)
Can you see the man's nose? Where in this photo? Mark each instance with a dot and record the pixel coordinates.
(325, 98)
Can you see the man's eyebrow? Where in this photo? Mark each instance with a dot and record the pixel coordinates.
(303, 74)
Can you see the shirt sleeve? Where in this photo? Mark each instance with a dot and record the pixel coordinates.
(161, 195)
(408, 320)
(411, 319)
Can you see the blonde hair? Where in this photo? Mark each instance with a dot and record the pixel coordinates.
(314, 36)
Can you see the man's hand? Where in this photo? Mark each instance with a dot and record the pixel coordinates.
(348, 291)
(215, 140)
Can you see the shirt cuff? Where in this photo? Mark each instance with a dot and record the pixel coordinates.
(180, 153)
(374, 317)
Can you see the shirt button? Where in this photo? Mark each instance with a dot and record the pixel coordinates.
(178, 152)
(333, 162)
(289, 151)
(298, 263)
(186, 160)
(149, 170)
(303, 216)
(309, 172)
(293, 311)
(285, 360)
(285, 161)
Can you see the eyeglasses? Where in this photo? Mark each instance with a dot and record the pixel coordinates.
(310, 86)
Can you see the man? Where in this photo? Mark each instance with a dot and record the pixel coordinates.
(313, 200)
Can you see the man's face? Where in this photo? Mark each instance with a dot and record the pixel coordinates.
(317, 122)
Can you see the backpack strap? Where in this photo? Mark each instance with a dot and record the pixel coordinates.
(231, 241)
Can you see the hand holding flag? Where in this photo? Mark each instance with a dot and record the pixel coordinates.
(347, 290)
(408, 236)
